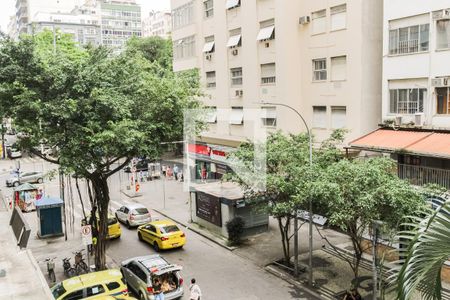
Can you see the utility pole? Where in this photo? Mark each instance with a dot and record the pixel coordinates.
(375, 225)
(3, 141)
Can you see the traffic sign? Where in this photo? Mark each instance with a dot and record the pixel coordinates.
(86, 234)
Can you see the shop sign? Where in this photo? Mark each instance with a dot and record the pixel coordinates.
(218, 155)
(208, 208)
(199, 149)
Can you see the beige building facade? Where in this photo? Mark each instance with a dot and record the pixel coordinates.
(157, 23)
(323, 58)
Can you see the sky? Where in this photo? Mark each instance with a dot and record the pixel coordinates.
(8, 9)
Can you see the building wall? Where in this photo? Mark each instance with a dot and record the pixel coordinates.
(414, 70)
(157, 24)
(292, 50)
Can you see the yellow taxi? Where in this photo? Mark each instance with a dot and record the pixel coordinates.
(114, 230)
(94, 285)
(163, 234)
(116, 298)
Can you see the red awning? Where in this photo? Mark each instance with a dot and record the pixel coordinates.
(415, 142)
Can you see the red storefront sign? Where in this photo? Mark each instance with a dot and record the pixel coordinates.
(199, 149)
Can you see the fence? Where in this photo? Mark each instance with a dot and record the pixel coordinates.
(418, 175)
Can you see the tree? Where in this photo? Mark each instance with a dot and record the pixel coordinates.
(98, 110)
(427, 242)
(354, 193)
(289, 176)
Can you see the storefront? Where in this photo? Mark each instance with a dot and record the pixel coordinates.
(209, 161)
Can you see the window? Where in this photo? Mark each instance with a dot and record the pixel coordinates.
(74, 295)
(269, 116)
(183, 15)
(235, 38)
(319, 21)
(236, 76)
(209, 44)
(338, 68)
(319, 69)
(443, 101)
(267, 30)
(406, 101)
(409, 39)
(95, 290)
(233, 3)
(319, 116)
(113, 285)
(184, 48)
(338, 117)
(268, 73)
(338, 17)
(209, 9)
(237, 116)
(443, 34)
(211, 79)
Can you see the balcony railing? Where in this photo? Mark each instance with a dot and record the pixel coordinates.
(422, 175)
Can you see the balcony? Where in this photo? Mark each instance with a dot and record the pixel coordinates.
(418, 175)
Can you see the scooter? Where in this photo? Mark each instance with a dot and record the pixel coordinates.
(69, 271)
(51, 269)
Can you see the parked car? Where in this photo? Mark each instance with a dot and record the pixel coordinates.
(32, 177)
(114, 230)
(140, 273)
(133, 215)
(163, 234)
(141, 165)
(10, 131)
(94, 285)
(14, 153)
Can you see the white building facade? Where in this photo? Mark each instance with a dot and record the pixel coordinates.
(157, 24)
(416, 63)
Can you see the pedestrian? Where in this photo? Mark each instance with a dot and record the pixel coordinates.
(169, 172)
(141, 175)
(175, 172)
(196, 293)
(157, 290)
(204, 173)
(163, 168)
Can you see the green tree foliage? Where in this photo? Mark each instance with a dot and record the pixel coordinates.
(154, 49)
(99, 110)
(354, 193)
(288, 178)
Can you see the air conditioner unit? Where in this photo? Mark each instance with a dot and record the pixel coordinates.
(208, 56)
(441, 14)
(304, 20)
(440, 82)
(235, 52)
(398, 120)
(239, 93)
(419, 119)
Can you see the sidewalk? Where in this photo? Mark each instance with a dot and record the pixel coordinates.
(20, 277)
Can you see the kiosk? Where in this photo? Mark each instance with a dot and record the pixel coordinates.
(49, 213)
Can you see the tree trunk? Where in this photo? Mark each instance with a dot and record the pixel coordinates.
(101, 198)
(284, 230)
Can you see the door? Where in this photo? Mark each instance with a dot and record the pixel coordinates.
(51, 221)
(150, 233)
(121, 215)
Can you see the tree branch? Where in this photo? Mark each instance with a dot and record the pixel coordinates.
(44, 157)
(126, 162)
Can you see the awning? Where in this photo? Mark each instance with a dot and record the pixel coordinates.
(268, 113)
(234, 40)
(424, 143)
(265, 33)
(237, 116)
(211, 116)
(232, 3)
(208, 47)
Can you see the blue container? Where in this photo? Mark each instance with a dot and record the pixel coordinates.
(49, 212)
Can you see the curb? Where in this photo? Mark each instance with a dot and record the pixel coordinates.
(288, 279)
(44, 283)
(196, 231)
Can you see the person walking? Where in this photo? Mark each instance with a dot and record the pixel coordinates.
(157, 290)
(175, 172)
(169, 172)
(196, 293)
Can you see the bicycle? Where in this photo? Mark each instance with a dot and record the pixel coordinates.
(51, 269)
(80, 265)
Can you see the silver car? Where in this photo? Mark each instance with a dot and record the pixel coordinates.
(133, 215)
(140, 274)
(31, 177)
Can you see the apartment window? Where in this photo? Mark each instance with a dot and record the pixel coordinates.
(319, 116)
(233, 3)
(209, 9)
(319, 21)
(406, 101)
(237, 116)
(184, 48)
(269, 116)
(410, 39)
(266, 31)
(443, 101)
(319, 69)
(235, 38)
(268, 73)
(338, 117)
(211, 79)
(236, 76)
(183, 15)
(211, 116)
(338, 68)
(443, 34)
(338, 17)
(209, 44)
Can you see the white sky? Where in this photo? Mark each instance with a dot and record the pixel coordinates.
(8, 9)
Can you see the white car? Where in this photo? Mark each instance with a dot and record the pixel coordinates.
(133, 215)
(15, 153)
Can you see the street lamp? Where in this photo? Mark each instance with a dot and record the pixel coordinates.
(309, 200)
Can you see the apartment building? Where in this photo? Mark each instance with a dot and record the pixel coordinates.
(157, 23)
(415, 91)
(121, 19)
(323, 58)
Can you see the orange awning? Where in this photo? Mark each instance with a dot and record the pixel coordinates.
(415, 142)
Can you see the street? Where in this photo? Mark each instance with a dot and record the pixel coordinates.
(220, 273)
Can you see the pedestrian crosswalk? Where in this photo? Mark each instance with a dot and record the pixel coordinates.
(77, 211)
